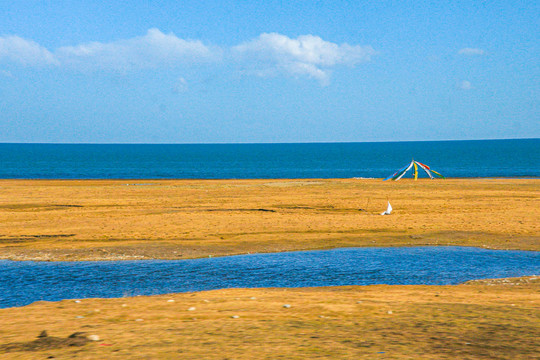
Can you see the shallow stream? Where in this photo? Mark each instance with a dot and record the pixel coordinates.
(22, 283)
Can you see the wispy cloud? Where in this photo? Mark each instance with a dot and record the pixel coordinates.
(23, 51)
(181, 86)
(465, 85)
(306, 55)
(6, 73)
(269, 54)
(153, 49)
(471, 51)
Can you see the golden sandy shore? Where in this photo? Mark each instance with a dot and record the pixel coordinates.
(176, 219)
(483, 320)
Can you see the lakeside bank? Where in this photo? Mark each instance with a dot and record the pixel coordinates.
(478, 320)
(179, 219)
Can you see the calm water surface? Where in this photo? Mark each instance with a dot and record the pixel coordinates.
(22, 283)
(482, 158)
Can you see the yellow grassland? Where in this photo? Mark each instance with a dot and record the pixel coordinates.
(175, 219)
(498, 320)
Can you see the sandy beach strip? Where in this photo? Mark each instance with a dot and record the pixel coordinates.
(179, 219)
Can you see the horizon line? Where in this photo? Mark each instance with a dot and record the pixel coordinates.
(257, 143)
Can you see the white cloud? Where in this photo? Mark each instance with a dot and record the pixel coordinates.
(6, 73)
(471, 51)
(26, 52)
(269, 54)
(300, 68)
(151, 50)
(306, 55)
(465, 85)
(181, 86)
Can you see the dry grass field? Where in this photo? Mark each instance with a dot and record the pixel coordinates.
(175, 219)
(481, 320)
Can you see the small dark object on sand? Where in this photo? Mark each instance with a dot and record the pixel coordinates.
(45, 342)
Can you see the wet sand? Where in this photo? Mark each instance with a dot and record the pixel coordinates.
(178, 219)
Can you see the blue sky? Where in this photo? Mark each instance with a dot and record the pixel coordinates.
(268, 71)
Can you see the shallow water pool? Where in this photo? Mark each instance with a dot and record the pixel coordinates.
(22, 283)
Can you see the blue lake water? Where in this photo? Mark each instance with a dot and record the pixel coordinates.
(483, 158)
(22, 283)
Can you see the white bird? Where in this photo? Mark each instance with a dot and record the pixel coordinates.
(388, 210)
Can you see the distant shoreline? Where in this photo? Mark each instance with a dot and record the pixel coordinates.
(270, 179)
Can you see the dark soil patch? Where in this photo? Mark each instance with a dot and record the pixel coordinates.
(45, 342)
(27, 238)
